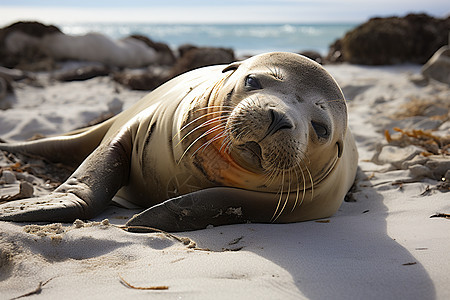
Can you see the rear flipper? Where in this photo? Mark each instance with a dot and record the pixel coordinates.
(85, 194)
(213, 206)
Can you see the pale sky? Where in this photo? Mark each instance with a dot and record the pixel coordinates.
(209, 11)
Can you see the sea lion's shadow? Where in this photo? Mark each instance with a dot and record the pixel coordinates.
(351, 256)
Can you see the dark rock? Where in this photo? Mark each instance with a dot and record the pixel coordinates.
(13, 74)
(3, 87)
(183, 49)
(35, 47)
(82, 73)
(7, 96)
(7, 76)
(438, 67)
(140, 79)
(30, 54)
(193, 58)
(335, 53)
(166, 55)
(393, 40)
(35, 29)
(314, 55)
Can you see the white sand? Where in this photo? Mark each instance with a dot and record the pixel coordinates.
(383, 246)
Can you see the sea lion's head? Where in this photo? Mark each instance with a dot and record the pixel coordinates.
(277, 117)
(288, 114)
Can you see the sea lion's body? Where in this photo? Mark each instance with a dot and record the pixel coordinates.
(263, 140)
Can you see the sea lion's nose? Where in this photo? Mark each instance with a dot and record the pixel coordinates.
(279, 121)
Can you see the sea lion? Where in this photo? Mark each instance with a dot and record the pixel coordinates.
(261, 140)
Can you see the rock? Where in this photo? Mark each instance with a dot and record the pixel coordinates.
(19, 44)
(445, 127)
(27, 177)
(384, 41)
(415, 122)
(420, 171)
(438, 67)
(3, 89)
(447, 176)
(314, 55)
(7, 98)
(419, 80)
(183, 49)
(335, 53)
(425, 123)
(13, 74)
(435, 111)
(165, 54)
(26, 189)
(35, 29)
(417, 160)
(82, 73)
(439, 165)
(96, 47)
(140, 79)
(396, 155)
(8, 177)
(193, 58)
(31, 45)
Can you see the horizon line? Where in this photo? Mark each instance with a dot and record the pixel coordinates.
(51, 15)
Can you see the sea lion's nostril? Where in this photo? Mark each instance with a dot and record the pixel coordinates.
(279, 121)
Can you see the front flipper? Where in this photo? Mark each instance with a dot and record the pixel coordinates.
(86, 193)
(213, 206)
(55, 207)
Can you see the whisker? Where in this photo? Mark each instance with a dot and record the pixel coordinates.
(279, 200)
(240, 134)
(205, 145)
(298, 190)
(229, 146)
(197, 119)
(197, 139)
(213, 106)
(226, 141)
(209, 122)
(287, 196)
(273, 173)
(312, 182)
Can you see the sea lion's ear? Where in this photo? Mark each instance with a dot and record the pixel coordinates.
(232, 67)
(340, 146)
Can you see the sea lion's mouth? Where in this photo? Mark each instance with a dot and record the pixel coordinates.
(249, 156)
(254, 148)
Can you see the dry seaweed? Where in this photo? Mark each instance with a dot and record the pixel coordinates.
(154, 288)
(36, 291)
(432, 144)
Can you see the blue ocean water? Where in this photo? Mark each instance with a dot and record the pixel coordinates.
(243, 39)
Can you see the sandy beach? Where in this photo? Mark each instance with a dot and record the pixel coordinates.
(383, 243)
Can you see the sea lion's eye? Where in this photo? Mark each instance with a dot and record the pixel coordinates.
(252, 83)
(320, 130)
